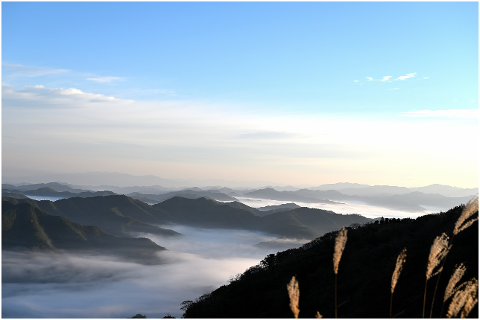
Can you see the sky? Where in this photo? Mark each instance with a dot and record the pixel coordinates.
(298, 94)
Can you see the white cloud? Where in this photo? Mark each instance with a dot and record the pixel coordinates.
(369, 78)
(18, 70)
(386, 78)
(39, 96)
(105, 79)
(425, 78)
(407, 76)
(451, 113)
(356, 81)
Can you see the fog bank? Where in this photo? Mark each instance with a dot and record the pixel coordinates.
(55, 285)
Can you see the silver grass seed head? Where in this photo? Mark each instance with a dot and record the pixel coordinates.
(454, 279)
(294, 295)
(398, 269)
(340, 242)
(463, 221)
(464, 299)
(438, 252)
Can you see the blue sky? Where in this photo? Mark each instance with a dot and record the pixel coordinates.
(209, 75)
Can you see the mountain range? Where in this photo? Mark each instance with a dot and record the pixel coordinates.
(122, 216)
(414, 200)
(25, 226)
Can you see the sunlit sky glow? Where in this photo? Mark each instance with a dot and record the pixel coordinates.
(292, 93)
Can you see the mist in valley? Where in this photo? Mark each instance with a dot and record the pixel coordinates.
(349, 207)
(66, 285)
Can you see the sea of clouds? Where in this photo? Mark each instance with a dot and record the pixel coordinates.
(66, 285)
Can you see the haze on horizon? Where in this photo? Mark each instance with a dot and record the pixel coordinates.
(382, 93)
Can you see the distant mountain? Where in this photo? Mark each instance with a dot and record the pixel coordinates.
(448, 191)
(409, 202)
(118, 214)
(25, 226)
(56, 186)
(428, 199)
(126, 180)
(355, 189)
(277, 208)
(188, 193)
(364, 276)
(339, 186)
(48, 192)
(270, 193)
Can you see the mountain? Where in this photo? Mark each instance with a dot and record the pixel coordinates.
(281, 207)
(428, 199)
(448, 191)
(364, 277)
(207, 213)
(270, 193)
(188, 193)
(121, 215)
(25, 226)
(381, 196)
(126, 180)
(354, 189)
(339, 186)
(117, 214)
(60, 187)
(49, 192)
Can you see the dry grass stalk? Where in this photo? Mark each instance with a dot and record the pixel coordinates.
(398, 268)
(340, 242)
(469, 304)
(467, 213)
(318, 315)
(396, 274)
(464, 299)
(294, 294)
(454, 279)
(438, 252)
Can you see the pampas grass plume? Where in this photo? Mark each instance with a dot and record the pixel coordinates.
(438, 252)
(294, 294)
(454, 279)
(340, 242)
(468, 211)
(464, 299)
(398, 268)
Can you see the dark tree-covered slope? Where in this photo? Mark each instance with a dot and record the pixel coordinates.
(364, 276)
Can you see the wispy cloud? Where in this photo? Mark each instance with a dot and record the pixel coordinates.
(19, 70)
(105, 79)
(38, 95)
(369, 78)
(386, 78)
(407, 76)
(451, 113)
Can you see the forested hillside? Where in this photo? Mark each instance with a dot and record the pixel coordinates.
(364, 277)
